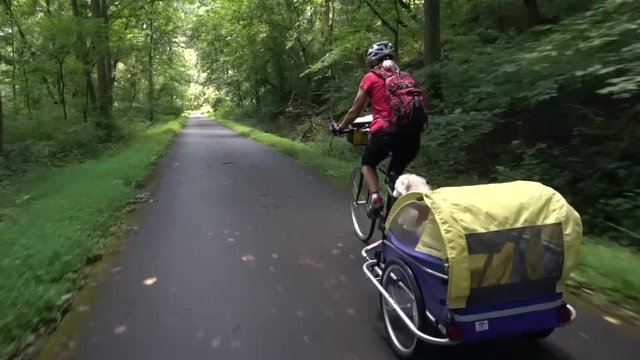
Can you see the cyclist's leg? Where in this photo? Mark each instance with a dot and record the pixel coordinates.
(377, 150)
(371, 178)
(405, 149)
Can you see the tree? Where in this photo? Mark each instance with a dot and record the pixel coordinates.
(150, 64)
(1, 123)
(104, 94)
(533, 12)
(70, 67)
(394, 28)
(82, 54)
(432, 42)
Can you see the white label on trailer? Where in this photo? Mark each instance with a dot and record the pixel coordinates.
(482, 325)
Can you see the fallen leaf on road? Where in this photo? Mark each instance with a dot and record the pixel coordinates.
(150, 281)
(120, 329)
(248, 258)
(216, 342)
(612, 320)
(351, 311)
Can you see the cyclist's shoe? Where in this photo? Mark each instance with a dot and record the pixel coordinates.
(375, 206)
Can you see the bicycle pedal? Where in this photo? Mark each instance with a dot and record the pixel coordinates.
(374, 214)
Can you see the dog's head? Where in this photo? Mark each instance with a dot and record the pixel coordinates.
(410, 182)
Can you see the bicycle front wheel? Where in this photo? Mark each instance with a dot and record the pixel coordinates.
(362, 224)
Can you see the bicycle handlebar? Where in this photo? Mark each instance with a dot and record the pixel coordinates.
(352, 130)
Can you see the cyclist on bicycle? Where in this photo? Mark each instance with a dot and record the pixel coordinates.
(402, 146)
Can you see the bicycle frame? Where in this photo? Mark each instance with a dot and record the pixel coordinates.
(390, 200)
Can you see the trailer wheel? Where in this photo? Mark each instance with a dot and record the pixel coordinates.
(399, 282)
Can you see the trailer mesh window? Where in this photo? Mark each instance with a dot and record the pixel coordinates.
(515, 263)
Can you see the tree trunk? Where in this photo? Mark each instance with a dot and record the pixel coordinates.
(14, 63)
(396, 40)
(82, 53)
(27, 91)
(14, 67)
(114, 66)
(432, 46)
(50, 92)
(48, 7)
(151, 84)
(1, 124)
(134, 89)
(533, 13)
(327, 21)
(85, 107)
(63, 100)
(107, 56)
(103, 64)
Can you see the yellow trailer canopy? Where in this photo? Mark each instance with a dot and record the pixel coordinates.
(492, 236)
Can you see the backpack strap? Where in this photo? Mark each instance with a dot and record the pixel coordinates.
(381, 73)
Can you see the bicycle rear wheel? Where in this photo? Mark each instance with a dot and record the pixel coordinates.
(362, 224)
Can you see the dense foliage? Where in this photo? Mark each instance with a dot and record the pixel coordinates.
(78, 75)
(544, 90)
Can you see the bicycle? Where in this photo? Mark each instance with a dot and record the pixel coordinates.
(364, 225)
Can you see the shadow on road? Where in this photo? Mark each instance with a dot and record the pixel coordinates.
(502, 350)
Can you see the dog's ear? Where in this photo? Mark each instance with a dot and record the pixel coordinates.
(400, 187)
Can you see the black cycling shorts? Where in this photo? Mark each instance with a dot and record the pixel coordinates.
(403, 149)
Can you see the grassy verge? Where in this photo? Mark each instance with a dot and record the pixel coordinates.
(606, 270)
(609, 273)
(61, 218)
(309, 154)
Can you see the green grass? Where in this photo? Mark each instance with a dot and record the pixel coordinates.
(57, 220)
(611, 271)
(605, 268)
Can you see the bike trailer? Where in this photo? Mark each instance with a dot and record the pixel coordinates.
(475, 263)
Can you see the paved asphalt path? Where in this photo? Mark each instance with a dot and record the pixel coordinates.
(253, 258)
